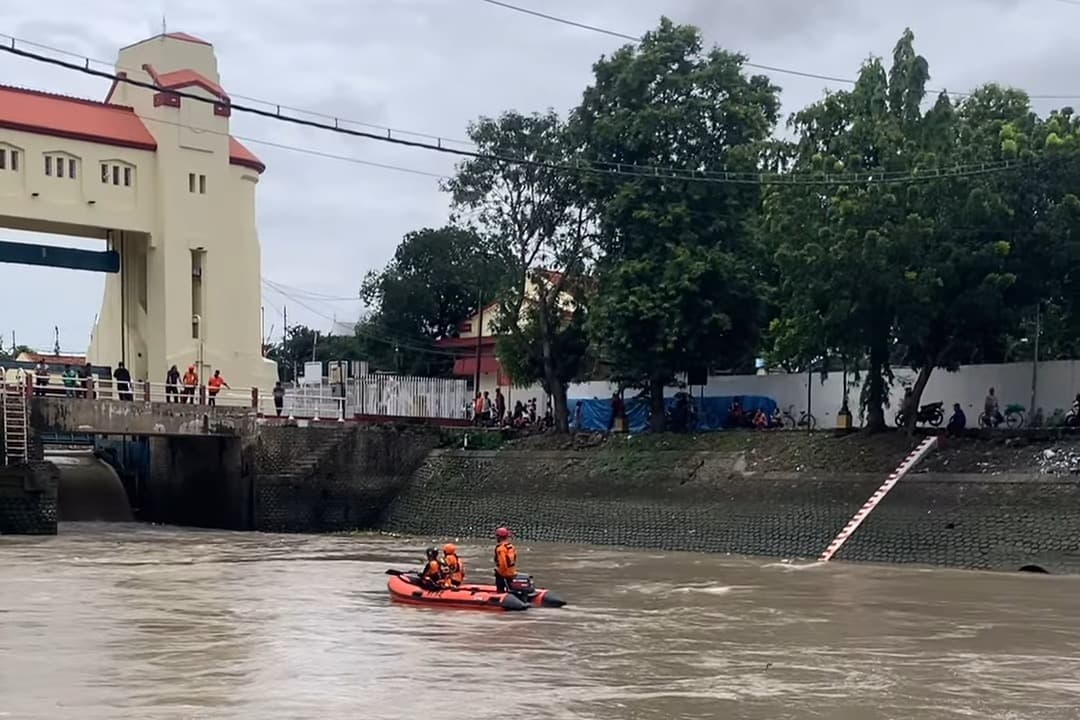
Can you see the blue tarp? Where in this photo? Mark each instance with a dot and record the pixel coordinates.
(712, 411)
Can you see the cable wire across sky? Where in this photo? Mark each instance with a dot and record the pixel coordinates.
(756, 66)
(606, 168)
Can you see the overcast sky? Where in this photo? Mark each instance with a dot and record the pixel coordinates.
(430, 66)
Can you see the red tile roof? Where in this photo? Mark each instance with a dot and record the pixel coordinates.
(63, 116)
(52, 360)
(186, 38)
(180, 79)
(240, 155)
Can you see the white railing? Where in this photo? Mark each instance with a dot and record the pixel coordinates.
(306, 401)
(370, 395)
(414, 397)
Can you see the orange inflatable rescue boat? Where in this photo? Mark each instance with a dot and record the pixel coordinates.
(405, 588)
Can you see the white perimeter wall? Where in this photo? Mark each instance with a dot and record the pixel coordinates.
(1058, 384)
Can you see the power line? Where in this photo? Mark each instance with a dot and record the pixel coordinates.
(757, 66)
(301, 150)
(364, 332)
(310, 294)
(305, 111)
(627, 170)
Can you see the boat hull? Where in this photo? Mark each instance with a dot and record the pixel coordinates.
(405, 589)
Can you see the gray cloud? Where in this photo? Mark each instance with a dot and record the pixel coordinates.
(434, 65)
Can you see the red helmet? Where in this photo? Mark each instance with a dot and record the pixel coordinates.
(502, 533)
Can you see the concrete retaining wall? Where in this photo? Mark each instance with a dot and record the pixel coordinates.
(701, 502)
(198, 482)
(327, 479)
(114, 417)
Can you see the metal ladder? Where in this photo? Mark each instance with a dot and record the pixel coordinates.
(13, 398)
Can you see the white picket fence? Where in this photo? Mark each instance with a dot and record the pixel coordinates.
(405, 396)
(381, 395)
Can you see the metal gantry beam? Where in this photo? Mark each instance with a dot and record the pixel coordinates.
(107, 261)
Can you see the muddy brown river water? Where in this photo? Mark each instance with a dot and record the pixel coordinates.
(119, 622)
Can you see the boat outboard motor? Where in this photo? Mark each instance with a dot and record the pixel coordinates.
(522, 586)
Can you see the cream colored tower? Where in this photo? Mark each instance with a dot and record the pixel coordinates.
(189, 292)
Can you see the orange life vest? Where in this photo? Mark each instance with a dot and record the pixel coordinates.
(433, 573)
(455, 569)
(506, 560)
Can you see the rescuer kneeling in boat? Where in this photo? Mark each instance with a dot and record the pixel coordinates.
(433, 575)
(505, 561)
(452, 565)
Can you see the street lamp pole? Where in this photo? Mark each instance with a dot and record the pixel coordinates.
(1035, 361)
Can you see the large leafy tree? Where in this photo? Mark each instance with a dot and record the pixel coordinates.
(677, 285)
(529, 214)
(435, 280)
(917, 261)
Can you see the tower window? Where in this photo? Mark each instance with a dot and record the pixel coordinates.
(202, 184)
(117, 174)
(60, 166)
(9, 159)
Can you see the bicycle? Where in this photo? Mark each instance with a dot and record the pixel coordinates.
(805, 419)
(1013, 418)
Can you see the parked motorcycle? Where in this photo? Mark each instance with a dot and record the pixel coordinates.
(931, 414)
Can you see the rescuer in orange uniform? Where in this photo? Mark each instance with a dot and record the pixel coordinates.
(505, 560)
(433, 575)
(452, 565)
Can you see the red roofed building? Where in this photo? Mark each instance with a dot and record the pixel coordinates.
(471, 338)
(155, 174)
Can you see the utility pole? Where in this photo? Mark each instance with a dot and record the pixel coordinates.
(479, 337)
(1035, 361)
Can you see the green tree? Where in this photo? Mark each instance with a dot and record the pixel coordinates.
(435, 280)
(678, 286)
(14, 352)
(303, 344)
(942, 268)
(531, 219)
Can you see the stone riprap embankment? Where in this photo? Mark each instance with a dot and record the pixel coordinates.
(1006, 516)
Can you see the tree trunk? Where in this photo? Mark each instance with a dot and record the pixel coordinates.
(916, 395)
(875, 402)
(555, 387)
(656, 405)
(558, 406)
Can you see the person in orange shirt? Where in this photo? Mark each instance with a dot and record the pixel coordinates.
(454, 567)
(214, 386)
(191, 381)
(505, 561)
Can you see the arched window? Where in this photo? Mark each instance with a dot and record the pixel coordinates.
(10, 157)
(117, 173)
(61, 165)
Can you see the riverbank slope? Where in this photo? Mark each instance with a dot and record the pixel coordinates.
(975, 502)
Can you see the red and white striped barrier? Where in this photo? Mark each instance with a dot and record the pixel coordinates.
(911, 461)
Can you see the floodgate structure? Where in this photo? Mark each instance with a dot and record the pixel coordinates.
(156, 177)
